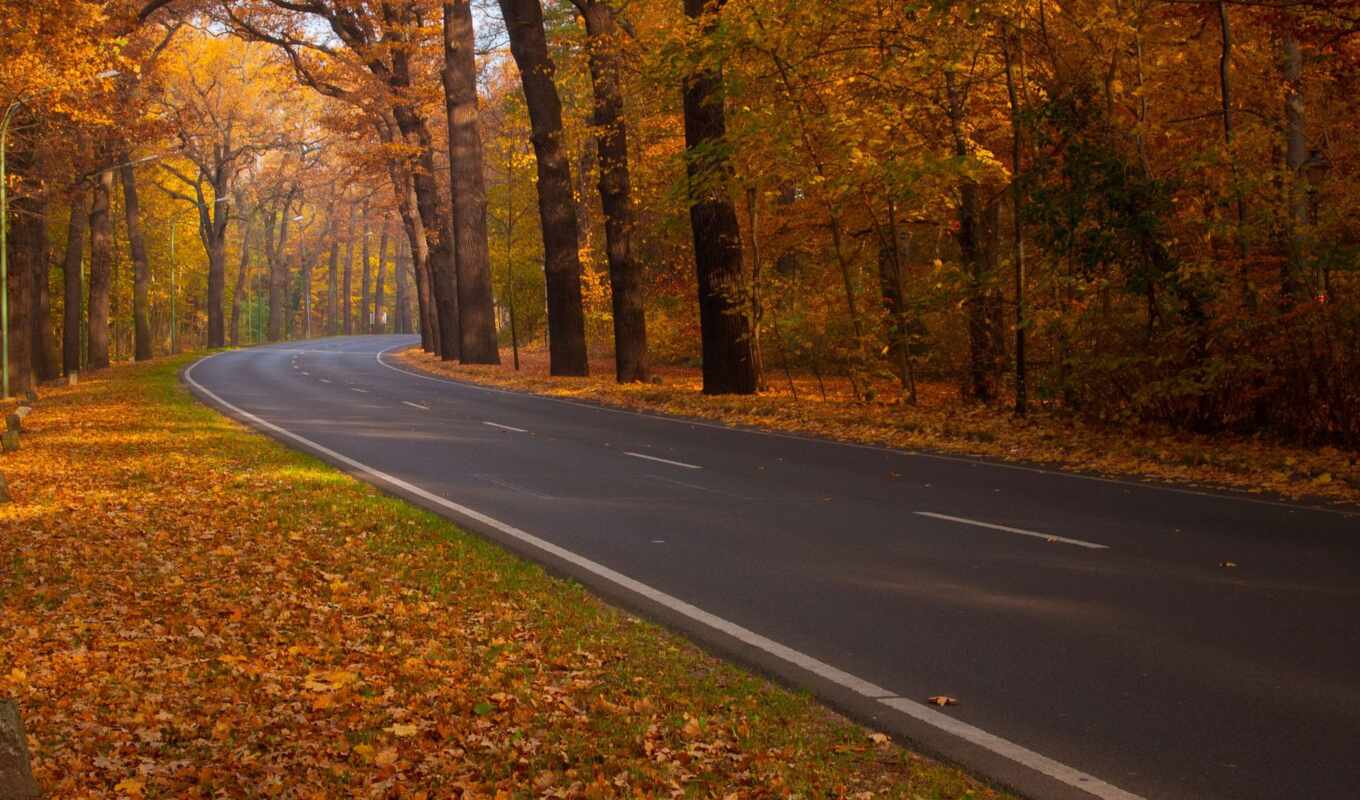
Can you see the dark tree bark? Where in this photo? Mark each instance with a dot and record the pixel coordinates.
(73, 300)
(625, 274)
(27, 245)
(141, 268)
(1296, 153)
(729, 365)
(977, 260)
(238, 292)
(379, 312)
(275, 256)
(365, 313)
(347, 293)
(46, 361)
(401, 311)
(556, 204)
(101, 271)
(476, 307)
(333, 288)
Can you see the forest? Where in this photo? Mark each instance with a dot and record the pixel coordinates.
(1129, 210)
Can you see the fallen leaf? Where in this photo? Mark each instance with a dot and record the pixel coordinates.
(943, 700)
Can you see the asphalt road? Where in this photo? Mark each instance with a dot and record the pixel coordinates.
(1096, 641)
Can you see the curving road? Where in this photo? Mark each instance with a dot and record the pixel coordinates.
(1090, 630)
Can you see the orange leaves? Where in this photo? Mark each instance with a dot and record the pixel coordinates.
(169, 639)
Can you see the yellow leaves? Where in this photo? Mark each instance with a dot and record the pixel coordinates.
(942, 700)
(131, 787)
(329, 681)
(17, 677)
(880, 738)
(402, 730)
(226, 551)
(386, 757)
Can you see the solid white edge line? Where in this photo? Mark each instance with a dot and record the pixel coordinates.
(416, 405)
(504, 427)
(662, 460)
(923, 713)
(976, 462)
(1048, 537)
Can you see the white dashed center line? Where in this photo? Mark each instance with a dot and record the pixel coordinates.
(1020, 531)
(325, 380)
(416, 405)
(357, 389)
(662, 460)
(505, 427)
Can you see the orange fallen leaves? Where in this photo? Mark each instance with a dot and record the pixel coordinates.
(189, 610)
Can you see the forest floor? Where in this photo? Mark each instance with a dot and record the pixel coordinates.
(941, 422)
(189, 609)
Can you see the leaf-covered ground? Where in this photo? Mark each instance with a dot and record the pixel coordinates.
(188, 609)
(941, 422)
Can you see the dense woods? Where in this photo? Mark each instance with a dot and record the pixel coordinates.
(1136, 210)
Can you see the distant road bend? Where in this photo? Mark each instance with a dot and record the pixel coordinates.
(1096, 637)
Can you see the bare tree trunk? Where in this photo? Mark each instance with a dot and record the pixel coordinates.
(379, 312)
(625, 274)
(347, 293)
(239, 292)
(467, 182)
(333, 288)
(26, 245)
(101, 266)
(556, 205)
(46, 362)
(1017, 225)
(365, 313)
(73, 299)
(402, 323)
(981, 382)
(728, 364)
(141, 268)
(1296, 153)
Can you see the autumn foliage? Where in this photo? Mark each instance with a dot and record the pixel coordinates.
(196, 611)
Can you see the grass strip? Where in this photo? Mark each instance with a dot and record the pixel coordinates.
(189, 609)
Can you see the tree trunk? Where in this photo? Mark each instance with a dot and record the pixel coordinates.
(1017, 225)
(379, 315)
(1296, 152)
(365, 313)
(73, 300)
(347, 293)
(981, 383)
(476, 307)
(46, 362)
(141, 267)
(556, 205)
(27, 236)
(101, 266)
(239, 292)
(402, 323)
(625, 274)
(415, 237)
(333, 289)
(729, 367)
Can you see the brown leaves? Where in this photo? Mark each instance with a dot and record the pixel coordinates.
(942, 700)
(241, 621)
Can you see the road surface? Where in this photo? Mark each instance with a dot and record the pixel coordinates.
(1103, 638)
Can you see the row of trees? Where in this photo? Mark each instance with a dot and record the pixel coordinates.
(1139, 210)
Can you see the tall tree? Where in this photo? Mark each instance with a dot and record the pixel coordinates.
(242, 269)
(729, 364)
(625, 274)
(141, 266)
(476, 309)
(101, 271)
(556, 203)
(73, 301)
